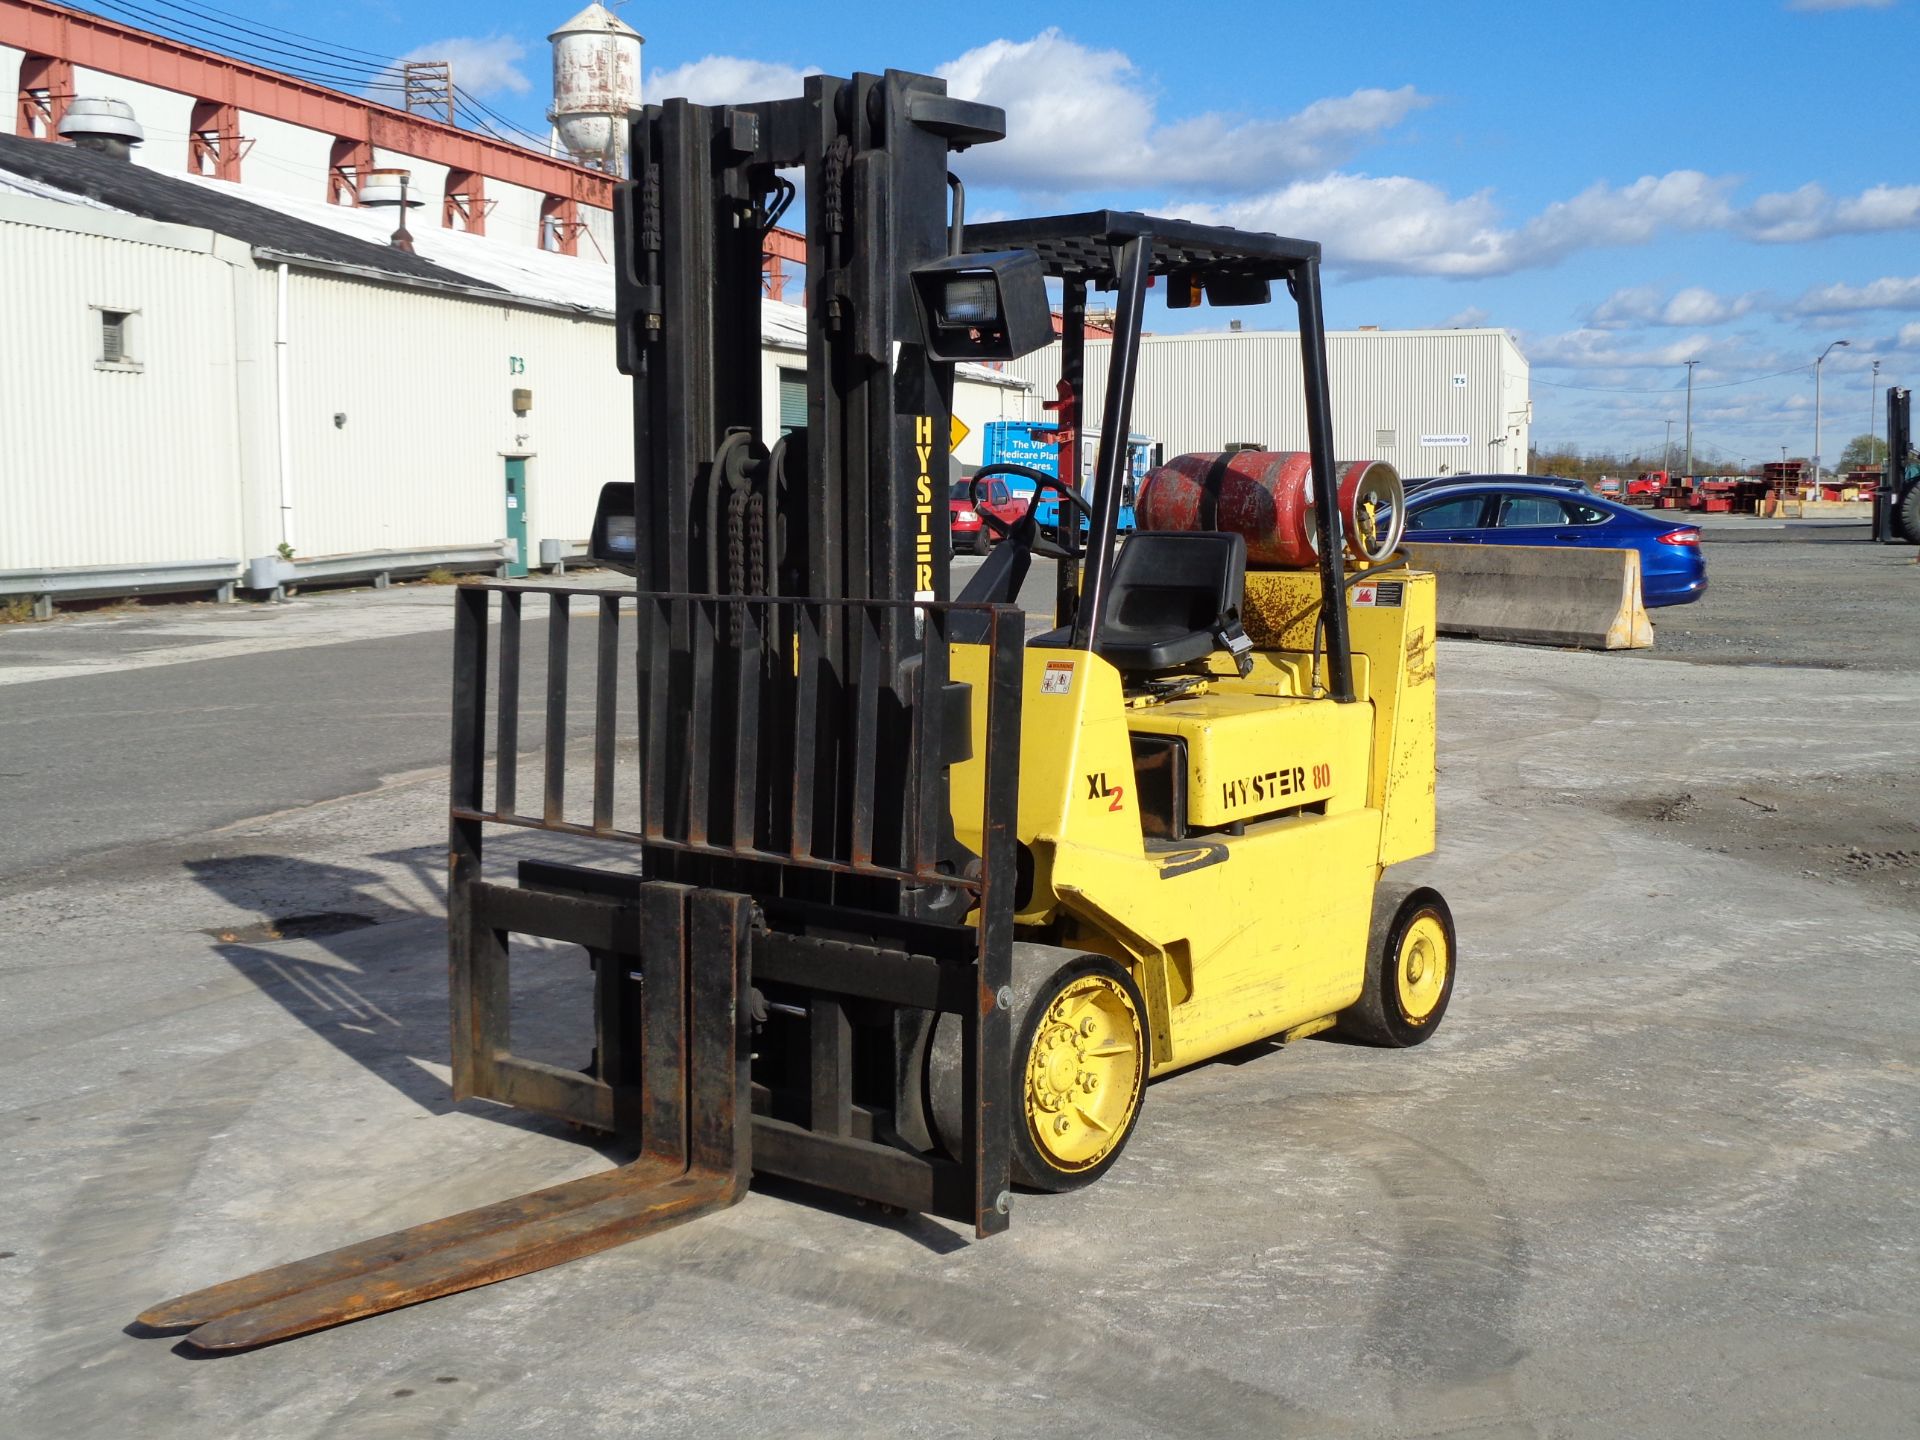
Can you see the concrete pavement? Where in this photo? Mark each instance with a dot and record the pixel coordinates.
(1656, 1175)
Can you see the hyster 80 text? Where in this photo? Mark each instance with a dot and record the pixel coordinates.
(1274, 785)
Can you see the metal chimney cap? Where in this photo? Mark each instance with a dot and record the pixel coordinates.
(382, 187)
(101, 119)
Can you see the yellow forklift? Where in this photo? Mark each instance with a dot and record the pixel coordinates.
(899, 900)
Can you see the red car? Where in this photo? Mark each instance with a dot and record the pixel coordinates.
(970, 533)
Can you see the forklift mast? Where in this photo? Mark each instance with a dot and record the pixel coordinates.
(1896, 511)
(858, 518)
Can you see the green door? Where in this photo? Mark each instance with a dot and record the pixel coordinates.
(517, 514)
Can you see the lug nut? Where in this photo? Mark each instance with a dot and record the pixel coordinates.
(1087, 1026)
(1062, 1125)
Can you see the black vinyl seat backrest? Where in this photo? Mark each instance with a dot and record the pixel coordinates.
(1174, 598)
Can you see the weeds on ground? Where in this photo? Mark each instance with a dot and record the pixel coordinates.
(440, 577)
(16, 610)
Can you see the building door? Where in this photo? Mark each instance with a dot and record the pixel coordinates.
(517, 515)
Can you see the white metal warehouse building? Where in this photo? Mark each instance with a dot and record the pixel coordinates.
(177, 444)
(1428, 402)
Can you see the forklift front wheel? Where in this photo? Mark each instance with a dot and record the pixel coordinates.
(1080, 1065)
(1410, 969)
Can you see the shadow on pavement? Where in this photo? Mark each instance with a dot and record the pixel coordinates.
(344, 952)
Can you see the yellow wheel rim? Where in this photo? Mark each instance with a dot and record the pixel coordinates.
(1084, 1073)
(1423, 968)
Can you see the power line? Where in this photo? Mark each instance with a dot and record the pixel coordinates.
(290, 34)
(386, 63)
(310, 44)
(216, 34)
(313, 61)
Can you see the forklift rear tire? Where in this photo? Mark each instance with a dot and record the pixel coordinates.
(1080, 1061)
(1411, 961)
(1906, 518)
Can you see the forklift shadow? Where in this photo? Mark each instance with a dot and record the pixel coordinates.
(923, 1230)
(361, 964)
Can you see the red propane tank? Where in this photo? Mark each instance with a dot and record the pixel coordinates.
(1267, 497)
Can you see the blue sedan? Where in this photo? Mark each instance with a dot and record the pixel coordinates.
(1673, 571)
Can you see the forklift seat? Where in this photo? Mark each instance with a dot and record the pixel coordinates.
(1174, 598)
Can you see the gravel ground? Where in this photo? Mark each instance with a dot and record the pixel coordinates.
(1817, 592)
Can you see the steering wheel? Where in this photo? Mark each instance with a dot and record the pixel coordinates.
(1025, 532)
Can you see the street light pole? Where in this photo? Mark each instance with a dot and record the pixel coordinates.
(1666, 453)
(1690, 365)
(1873, 400)
(1816, 404)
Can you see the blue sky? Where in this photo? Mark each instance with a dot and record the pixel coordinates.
(1623, 186)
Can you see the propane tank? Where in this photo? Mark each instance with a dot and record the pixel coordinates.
(1267, 497)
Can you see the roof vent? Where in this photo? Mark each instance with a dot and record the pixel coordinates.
(107, 126)
(389, 188)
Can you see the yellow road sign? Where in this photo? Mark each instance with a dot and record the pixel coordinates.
(959, 433)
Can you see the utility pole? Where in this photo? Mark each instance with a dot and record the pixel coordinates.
(1666, 453)
(1816, 404)
(1690, 365)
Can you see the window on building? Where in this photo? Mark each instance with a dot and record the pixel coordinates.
(46, 89)
(214, 146)
(118, 339)
(793, 400)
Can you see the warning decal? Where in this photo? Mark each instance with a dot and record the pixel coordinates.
(1058, 678)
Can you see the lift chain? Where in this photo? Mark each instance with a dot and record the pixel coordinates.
(839, 153)
(650, 209)
(736, 561)
(757, 544)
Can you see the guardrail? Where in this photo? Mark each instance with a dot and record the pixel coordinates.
(107, 582)
(269, 574)
(275, 577)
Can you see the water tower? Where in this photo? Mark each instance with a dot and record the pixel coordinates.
(596, 87)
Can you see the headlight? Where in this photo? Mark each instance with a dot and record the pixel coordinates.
(970, 300)
(966, 517)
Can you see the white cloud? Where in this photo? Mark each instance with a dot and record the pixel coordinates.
(1888, 293)
(1883, 207)
(481, 67)
(723, 79)
(1908, 338)
(1398, 225)
(1471, 318)
(1590, 349)
(1100, 130)
(1375, 224)
(1645, 305)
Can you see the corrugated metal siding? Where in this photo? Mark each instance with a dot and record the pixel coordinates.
(180, 462)
(426, 385)
(108, 467)
(1389, 389)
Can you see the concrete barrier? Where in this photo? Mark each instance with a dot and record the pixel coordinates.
(1539, 594)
